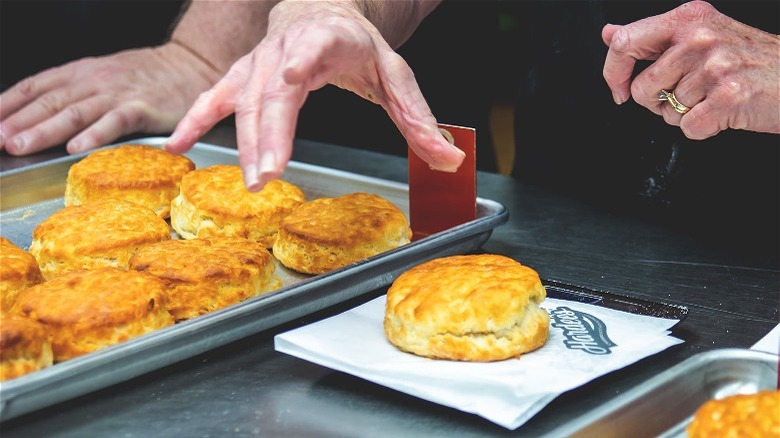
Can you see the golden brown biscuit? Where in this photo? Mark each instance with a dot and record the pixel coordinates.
(18, 270)
(744, 415)
(329, 233)
(481, 307)
(24, 346)
(105, 232)
(87, 310)
(143, 174)
(214, 202)
(203, 275)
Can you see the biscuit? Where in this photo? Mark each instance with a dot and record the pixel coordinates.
(105, 232)
(741, 415)
(143, 174)
(18, 270)
(24, 346)
(203, 275)
(329, 233)
(482, 308)
(215, 202)
(87, 310)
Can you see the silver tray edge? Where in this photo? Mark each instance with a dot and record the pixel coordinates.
(650, 407)
(158, 349)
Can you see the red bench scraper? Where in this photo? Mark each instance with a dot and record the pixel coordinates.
(441, 200)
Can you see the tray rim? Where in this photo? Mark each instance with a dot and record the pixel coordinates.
(691, 364)
(28, 393)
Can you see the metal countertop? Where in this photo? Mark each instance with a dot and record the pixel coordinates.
(248, 389)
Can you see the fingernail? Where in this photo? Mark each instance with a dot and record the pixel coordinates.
(255, 177)
(172, 139)
(74, 146)
(17, 144)
(2, 139)
(251, 179)
(452, 168)
(460, 152)
(267, 171)
(616, 97)
(268, 162)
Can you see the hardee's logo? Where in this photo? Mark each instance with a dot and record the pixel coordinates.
(582, 331)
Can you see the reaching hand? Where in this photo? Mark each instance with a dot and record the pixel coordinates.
(92, 101)
(309, 45)
(726, 72)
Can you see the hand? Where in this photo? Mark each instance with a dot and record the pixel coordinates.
(92, 101)
(309, 45)
(725, 71)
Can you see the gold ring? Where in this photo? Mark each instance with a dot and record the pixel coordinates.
(669, 97)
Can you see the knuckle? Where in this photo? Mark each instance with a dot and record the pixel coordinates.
(121, 119)
(269, 95)
(718, 67)
(653, 74)
(637, 88)
(75, 117)
(28, 87)
(34, 137)
(621, 40)
(732, 94)
(703, 37)
(51, 103)
(698, 8)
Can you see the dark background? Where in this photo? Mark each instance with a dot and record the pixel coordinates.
(542, 57)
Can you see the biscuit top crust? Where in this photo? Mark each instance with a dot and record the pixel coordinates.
(465, 294)
(347, 221)
(17, 266)
(101, 297)
(182, 261)
(130, 166)
(20, 336)
(220, 189)
(99, 226)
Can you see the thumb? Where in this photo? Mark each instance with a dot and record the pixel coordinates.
(608, 31)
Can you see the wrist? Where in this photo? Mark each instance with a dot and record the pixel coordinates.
(179, 56)
(192, 51)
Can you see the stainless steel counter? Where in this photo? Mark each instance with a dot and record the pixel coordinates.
(248, 389)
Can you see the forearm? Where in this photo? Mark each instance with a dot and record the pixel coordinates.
(221, 31)
(396, 20)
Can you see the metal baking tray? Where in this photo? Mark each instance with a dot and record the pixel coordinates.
(31, 194)
(664, 405)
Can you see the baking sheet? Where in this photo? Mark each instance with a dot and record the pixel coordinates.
(664, 405)
(31, 194)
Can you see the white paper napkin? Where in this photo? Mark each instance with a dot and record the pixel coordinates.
(769, 343)
(585, 342)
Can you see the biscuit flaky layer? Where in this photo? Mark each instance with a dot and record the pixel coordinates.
(741, 415)
(329, 233)
(87, 310)
(101, 233)
(18, 270)
(203, 275)
(482, 307)
(24, 346)
(143, 174)
(215, 202)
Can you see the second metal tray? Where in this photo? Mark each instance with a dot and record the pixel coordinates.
(664, 405)
(31, 194)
